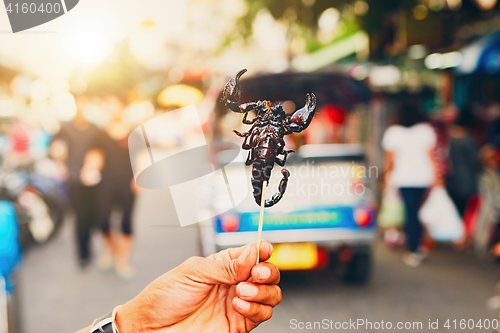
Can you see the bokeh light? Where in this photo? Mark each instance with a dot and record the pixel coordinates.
(328, 20)
(64, 106)
(6, 106)
(147, 45)
(454, 4)
(486, 4)
(85, 43)
(40, 90)
(179, 95)
(361, 8)
(138, 112)
(420, 12)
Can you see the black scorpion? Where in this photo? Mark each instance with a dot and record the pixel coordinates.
(265, 137)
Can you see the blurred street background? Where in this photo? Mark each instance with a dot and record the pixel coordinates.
(410, 88)
(451, 285)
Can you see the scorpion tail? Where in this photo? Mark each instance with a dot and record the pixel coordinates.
(277, 196)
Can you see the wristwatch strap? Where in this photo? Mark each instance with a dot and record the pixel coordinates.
(106, 323)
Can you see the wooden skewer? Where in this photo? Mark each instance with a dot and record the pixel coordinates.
(261, 218)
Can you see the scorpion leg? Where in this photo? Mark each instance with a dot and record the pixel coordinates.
(248, 122)
(281, 162)
(247, 145)
(241, 135)
(248, 161)
(245, 135)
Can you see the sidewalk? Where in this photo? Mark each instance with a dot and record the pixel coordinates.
(53, 289)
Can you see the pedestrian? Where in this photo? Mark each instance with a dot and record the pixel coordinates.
(116, 193)
(78, 136)
(489, 208)
(410, 166)
(442, 125)
(226, 292)
(464, 165)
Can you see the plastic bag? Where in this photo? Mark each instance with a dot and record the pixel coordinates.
(10, 251)
(440, 216)
(392, 211)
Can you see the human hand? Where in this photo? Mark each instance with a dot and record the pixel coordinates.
(90, 173)
(438, 182)
(386, 181)
(90, 177)
(226, 292)
(134, 188)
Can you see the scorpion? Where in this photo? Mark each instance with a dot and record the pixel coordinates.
(265, 137)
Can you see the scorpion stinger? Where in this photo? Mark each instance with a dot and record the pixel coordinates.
(265, 137)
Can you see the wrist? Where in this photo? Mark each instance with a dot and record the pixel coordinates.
(128, 319)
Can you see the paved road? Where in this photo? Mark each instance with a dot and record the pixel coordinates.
(54, 290)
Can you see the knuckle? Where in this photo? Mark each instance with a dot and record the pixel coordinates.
(192, 261)
(231, 270)
(277, 272)
(279, 296)
(187, 267)
(268, 313)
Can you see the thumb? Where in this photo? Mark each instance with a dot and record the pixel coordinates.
(210, 271)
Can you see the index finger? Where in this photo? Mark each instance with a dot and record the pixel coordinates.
(266, 249)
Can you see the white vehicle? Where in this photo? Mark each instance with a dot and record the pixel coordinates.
(327, 215)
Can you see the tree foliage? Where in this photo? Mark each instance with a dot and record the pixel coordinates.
(306, 13)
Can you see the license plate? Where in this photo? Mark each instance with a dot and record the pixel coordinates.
(295, 256)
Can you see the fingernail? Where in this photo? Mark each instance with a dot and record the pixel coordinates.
(241, 304)
(270, 248)
(248, 290)
(263, 273)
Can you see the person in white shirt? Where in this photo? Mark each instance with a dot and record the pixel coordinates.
(410, 166)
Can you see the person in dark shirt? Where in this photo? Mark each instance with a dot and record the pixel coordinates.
(116, 191)
(79, 136)
(463, 176)
(463, 155)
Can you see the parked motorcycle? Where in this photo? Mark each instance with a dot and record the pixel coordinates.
(38, 196)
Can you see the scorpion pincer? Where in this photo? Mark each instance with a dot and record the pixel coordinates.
(265, 137)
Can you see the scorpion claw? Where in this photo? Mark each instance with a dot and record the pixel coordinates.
(301, 119)
(232, 90)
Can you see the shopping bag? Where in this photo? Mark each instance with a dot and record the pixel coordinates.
(392, 211)
(471, 215)
(10, 250)
(440, 216)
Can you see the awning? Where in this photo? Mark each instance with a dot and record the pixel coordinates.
(353, 44)
(482, 56)
(330, 88)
